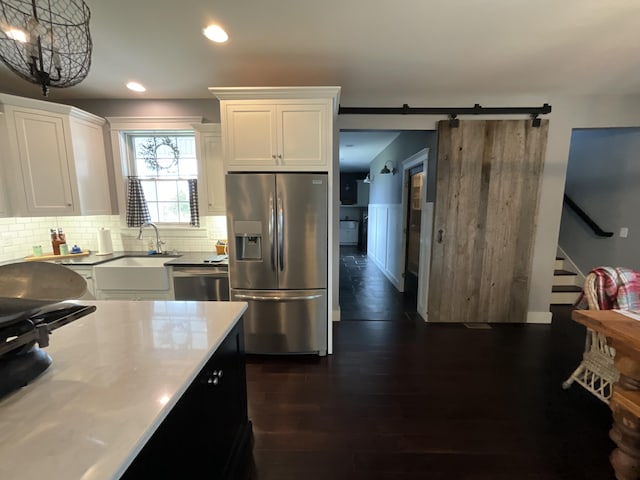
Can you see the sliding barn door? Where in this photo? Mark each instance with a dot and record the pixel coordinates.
(488, 183)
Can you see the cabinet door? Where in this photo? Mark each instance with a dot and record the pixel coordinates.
(211, 165)
(90, 168)
(302, 135)
(85, 272)
(4, 164)
(44, 163)
(250, 136)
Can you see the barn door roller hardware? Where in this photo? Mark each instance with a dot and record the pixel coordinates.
(452, 112)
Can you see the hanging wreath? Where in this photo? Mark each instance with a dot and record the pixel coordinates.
(149, 152)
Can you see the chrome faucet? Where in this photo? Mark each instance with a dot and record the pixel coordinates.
(159, 242)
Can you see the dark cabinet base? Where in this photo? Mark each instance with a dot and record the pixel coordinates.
(207, 434)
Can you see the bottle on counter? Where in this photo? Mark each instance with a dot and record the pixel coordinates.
(55, 242)
(64, 248)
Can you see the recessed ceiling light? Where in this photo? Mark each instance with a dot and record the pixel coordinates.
(16, 34)
(215, 34)
(136, 87)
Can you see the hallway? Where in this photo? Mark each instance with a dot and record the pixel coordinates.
(366, 294)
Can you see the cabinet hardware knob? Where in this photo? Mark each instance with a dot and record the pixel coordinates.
(69, 204)
(280, 156)
(273, 156)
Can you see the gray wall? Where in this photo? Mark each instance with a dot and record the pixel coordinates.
(603, 178)
(387, 189)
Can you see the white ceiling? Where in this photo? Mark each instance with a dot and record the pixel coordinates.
(373, 49)
(357, 149)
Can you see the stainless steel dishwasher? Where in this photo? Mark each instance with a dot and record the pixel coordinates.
(201, 283)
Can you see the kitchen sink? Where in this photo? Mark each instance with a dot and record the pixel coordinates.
(133, 273)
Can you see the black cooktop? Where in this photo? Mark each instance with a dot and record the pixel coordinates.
(21, 360)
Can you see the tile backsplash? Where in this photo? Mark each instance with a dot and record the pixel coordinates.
(19, 234)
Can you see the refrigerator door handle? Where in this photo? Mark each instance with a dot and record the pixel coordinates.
(275, 299)
(272, 240)
(280, 234)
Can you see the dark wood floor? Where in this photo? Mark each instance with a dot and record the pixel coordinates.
(401, 399)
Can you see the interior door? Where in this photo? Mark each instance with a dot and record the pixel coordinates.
(413, 227)
(487, 191)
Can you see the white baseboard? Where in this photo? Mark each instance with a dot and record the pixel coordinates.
(539, 317)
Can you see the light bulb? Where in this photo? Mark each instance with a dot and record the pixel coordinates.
(136, 87)
(215, 34)
(16, 34)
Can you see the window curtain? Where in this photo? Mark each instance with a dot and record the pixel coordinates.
(137, 210)
(193, 203)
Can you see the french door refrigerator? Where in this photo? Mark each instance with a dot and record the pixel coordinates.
(277, 227)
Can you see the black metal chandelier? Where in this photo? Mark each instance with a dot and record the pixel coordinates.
(46, 41)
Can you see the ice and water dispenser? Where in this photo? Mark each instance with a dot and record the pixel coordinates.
(248, 240)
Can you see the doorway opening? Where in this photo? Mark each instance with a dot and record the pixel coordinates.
(372, 278)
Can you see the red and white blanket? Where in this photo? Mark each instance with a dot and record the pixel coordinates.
(613, 288)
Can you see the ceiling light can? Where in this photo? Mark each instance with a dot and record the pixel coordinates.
(216, 34)
(136, 87)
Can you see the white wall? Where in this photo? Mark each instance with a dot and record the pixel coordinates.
(568, 112)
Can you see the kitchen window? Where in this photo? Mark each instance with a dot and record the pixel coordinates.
(166, 167)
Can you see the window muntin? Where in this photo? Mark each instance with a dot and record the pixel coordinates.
(164, 162)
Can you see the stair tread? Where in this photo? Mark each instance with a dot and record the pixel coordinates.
(564, 272)
(566, 288)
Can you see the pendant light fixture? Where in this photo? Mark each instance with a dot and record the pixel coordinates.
(46, 42)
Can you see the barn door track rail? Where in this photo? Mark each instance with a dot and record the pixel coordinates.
(452, 112)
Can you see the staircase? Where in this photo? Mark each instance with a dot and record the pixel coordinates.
(567, 284)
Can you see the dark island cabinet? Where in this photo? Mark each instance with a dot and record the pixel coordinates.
(207, 434)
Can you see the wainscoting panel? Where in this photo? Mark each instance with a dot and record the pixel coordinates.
(384, 237)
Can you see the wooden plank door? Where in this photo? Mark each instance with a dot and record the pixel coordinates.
(487, 192)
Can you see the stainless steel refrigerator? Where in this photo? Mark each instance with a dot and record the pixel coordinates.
(277, 228)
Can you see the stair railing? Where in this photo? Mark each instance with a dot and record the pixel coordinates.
(586, 218)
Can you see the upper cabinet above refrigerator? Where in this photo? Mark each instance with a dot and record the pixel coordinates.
(277, 129)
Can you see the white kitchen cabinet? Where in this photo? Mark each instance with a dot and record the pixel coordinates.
(4, 202)
(86, 272)
(277, 129)
(211, 188)
(56, 162)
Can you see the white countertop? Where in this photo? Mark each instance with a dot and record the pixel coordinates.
(115, 375)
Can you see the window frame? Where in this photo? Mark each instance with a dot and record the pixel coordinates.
(128, 137)
(119, 127)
